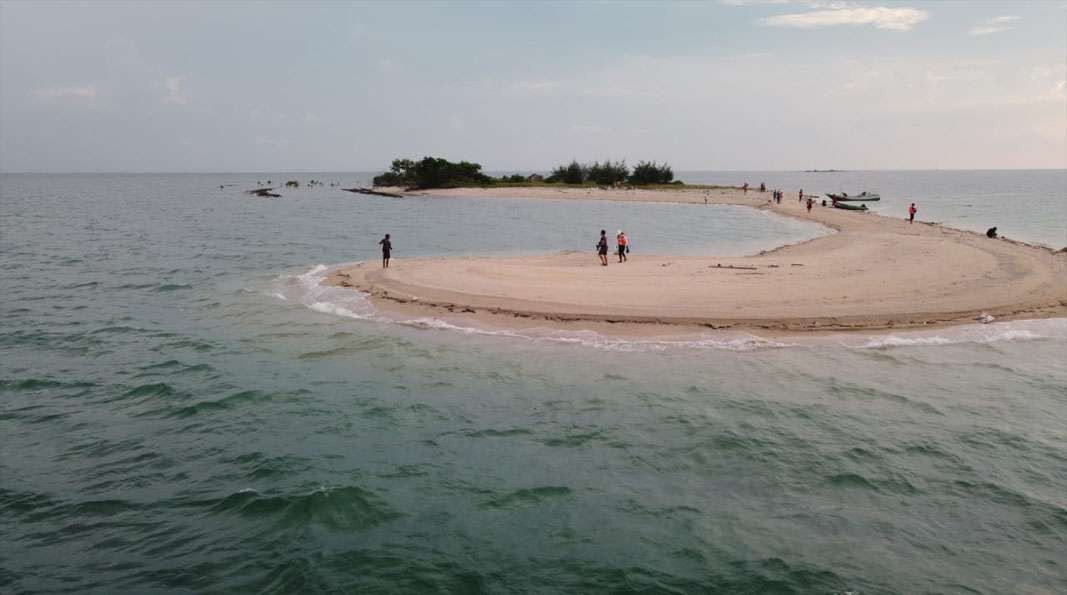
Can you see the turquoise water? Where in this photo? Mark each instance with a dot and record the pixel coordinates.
(183, 409)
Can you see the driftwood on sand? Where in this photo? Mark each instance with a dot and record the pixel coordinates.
(263, 193)
(373, 192)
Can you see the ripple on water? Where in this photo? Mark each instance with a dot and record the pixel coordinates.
(342, 508)
(528, 497)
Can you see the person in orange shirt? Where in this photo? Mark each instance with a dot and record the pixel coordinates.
(624, 245)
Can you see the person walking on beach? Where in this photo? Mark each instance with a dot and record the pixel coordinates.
(810, 203)
(745, 187)
(623, 243)
(602, 248)
(800, 195)
(387, 249)
(911, 213)
(762, 187)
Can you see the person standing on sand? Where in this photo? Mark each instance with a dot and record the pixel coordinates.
(810, 203)
(602, 248)
(800, 195)
(387, 249)
(623, 243)
(745, 187)
(762, 187)
(911, 213)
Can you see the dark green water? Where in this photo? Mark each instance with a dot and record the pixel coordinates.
(169, 424)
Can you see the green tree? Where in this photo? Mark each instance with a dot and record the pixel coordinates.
(572, 173)
(649, 172)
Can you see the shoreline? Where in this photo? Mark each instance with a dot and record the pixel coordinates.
(876, 273)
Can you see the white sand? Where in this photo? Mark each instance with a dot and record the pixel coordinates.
(877, 272)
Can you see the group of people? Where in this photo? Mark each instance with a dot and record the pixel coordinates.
(621, 242)
(778, 195)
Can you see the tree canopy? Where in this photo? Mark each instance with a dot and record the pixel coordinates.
(432, 172)
(435, 172)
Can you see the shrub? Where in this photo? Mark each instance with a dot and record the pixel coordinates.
(432, 172)
(609, 173)
(649, 172)
(572, 173)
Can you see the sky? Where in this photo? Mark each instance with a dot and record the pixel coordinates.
(727, 85)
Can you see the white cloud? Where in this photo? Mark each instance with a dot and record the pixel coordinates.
(175, 87)
(993, 25)
(83, 92)
(880, 17)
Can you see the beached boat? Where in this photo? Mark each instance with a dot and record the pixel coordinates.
(858, 197)
(848, 207)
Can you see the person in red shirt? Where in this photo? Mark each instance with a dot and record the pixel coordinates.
(623, 244)
(911, 213)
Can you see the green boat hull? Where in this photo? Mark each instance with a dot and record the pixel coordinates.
(848, 207)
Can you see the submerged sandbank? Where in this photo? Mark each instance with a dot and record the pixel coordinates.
(875, 273)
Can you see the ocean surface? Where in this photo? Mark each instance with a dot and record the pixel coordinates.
(184, 409)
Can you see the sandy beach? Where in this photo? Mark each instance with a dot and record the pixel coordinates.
(875, 272)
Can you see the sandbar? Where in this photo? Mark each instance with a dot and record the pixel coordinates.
(875, 272)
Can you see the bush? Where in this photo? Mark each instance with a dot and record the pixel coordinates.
(609, 173)
(649, 172)
(572, 173)
(432, 172)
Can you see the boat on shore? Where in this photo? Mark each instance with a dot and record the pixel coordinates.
(848, 207)
(862, 196)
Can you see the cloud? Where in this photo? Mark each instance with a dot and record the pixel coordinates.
(83, 92)
(175, 87)
(993, 25)
(880, 17)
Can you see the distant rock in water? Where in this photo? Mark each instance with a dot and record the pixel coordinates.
(263, 193)
(373, 192)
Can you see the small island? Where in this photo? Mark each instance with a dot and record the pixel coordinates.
(436, 172)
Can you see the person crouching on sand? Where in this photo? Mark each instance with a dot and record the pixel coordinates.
(911, 213)
(387, 249)
(602, 248)
(623, 243)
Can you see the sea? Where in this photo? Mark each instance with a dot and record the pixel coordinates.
(185, 409)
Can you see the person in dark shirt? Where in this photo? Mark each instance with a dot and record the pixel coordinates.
(387, 249)
(602, 248)
(991, 232)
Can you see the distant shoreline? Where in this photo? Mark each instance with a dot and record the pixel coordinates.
(876, 273)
